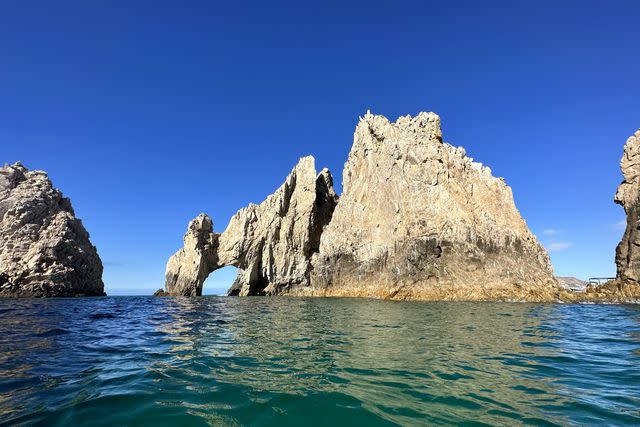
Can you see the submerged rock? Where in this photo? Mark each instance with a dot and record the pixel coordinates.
(271, 244)
(419, 219)
(44, 250)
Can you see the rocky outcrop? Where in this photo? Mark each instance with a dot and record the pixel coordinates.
(625, 288)
(271, 243)
(628, 251)
(44, 250)
(419, 219)
(188, 268)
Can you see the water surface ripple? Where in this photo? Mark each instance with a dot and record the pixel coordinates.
(297, 361)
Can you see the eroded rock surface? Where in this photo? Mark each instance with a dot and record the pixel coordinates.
(188, 268)
(419, 219)
(270, 243)
(628, 251)
(44, 250)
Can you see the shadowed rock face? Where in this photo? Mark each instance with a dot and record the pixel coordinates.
(44, 250)
(271, 244)
(628, 251)
(420, 219)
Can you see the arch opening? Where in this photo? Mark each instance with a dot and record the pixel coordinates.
(219, 281)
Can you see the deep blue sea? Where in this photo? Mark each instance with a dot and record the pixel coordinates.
(317, 361)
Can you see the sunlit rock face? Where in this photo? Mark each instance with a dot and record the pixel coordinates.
(271, 244)
(44, 249)
(188, 268)
(419, 219)
(628, 251)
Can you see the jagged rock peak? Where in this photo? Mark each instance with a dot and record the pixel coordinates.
(44, 250)
(420, 219)
(271, 244)
(628, 251)
(425, 123)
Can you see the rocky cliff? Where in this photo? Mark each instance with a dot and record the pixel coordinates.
(419, 219)
(628, 251)
(271, 243)
(44, 250)
(626, 287)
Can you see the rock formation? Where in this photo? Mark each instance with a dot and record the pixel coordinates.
(44, 250)
(188, 268)
(628, 251)
(419, 219)
(270, 243)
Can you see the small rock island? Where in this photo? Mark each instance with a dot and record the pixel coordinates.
(45, 250)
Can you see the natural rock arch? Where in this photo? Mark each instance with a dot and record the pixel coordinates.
(271, 244)
(418, 219)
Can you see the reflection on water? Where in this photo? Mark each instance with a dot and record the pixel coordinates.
(265, 361)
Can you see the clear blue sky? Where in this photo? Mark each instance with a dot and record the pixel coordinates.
(148, 113)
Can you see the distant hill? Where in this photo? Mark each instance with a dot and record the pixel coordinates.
(572, 284)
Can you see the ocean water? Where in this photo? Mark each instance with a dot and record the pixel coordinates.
(318, 361)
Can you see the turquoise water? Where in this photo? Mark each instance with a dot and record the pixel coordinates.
(296, 361)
